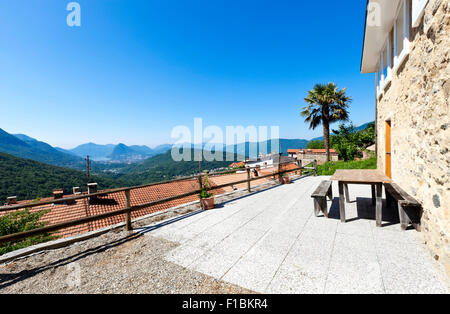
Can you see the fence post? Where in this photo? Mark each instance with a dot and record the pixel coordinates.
(315, 168)
(200, 185)
(248, 180)
(129, 227)
(280, 178)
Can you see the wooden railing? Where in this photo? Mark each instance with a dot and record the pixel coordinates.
(129, 209)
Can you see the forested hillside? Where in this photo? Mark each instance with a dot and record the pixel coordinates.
(163, 167)
(28, 179)
(26, 147)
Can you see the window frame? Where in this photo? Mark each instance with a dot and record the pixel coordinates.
(417, 11)
(400, 56)
(395, 58)
(383, 80)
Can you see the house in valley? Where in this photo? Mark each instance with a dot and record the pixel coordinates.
(407, 46)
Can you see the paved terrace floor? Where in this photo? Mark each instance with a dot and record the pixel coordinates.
(268, 242)
(271, 242)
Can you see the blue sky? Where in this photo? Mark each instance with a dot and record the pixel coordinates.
(136, 69)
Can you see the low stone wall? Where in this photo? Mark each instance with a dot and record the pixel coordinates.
(417, 103)
(321, 158)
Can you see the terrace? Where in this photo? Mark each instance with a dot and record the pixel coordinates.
(267, 242)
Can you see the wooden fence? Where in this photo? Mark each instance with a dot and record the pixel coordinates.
(129, 209)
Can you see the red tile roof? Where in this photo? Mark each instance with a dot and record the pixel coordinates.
(237, 164)
(116, 201)
(317, 151)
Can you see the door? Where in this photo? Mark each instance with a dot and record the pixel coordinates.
(388, 159)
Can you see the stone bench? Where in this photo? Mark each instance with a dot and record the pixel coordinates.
(320, 197)
(409, 209)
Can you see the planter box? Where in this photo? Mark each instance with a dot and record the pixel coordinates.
(207, 203)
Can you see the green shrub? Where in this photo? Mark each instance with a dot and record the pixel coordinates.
(20, 221)
(348, 142)
(206, 188)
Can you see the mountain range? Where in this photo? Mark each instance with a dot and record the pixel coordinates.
(119, 152)
(23, 146)
(26, 147)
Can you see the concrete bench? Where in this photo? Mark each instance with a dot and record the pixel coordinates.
(320, 197)
(409, 209)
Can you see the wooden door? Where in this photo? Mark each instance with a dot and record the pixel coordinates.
(388, 159)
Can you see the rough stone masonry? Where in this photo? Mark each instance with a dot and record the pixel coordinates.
(417, 104)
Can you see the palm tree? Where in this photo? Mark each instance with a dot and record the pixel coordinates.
(326, 104)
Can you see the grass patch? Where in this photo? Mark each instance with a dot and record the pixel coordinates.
(330, 168)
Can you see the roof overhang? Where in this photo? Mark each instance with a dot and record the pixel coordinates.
(380, 16)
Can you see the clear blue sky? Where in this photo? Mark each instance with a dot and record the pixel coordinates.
(136, 69)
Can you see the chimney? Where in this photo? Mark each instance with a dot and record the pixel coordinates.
(76, 190)
(58, 194)
(12, 200)
(92, 188)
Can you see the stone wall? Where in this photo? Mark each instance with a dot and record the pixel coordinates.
(320, 158)
(417, 103)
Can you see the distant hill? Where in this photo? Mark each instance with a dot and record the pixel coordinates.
(266, 147)
(161, 149)
(95, 151)
(162, 167)
(120, 152)
(28, 179)
(359, 128)
(26, 147)
(123, 153)
(143, 150)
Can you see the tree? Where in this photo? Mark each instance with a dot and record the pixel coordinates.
(345, 141)
(349, 142)
(326, 105)
(317, 144)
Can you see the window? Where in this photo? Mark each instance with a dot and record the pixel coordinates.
(418, 7)
(401, 33)
(396, 48)
(399, 29)
(384, 74)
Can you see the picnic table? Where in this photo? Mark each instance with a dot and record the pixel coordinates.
(374, 178)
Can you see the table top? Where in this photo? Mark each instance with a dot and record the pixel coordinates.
(361, 176)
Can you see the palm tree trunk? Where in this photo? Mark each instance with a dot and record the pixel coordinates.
(326, 134)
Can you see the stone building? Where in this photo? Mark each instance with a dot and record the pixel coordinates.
(307, 156)
(407, 45)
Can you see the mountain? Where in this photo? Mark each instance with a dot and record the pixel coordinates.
(266, 147)
(162, 167)
(359, 128)
(125, 153)
(29, 179)
(118, 153)
(26, 147)
(143, 150)
(96, 152)
(62, 150)
(161, 149)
